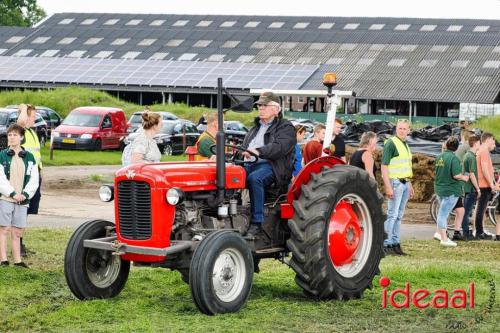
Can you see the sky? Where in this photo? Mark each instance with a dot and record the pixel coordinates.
(467, 9)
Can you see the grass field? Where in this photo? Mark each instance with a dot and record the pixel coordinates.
(156, 300)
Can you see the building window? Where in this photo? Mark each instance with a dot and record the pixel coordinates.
(76, 54)
(301, 25)
(93, 41)
(480, 79)
(174, 42)
(111, 22)
(287, 45)
(376, 26)
(230, 44)
(204, 23)
(428, 63)
(103, 54)
(258, 45)
(147, 42)
(347, 47)
(300, 99)
(496, 49)
(202, 43)
(326, 26)
(66, 21)
(351, 26)
(439, 48)
(365, 61)
(245, 58)
(157, 23)
(227, 24)
(120, 41)
(492, 64)
(276, 25)
(133, 22)
(180, 23)
(402, 27)
(67, 40)
(159, 56)
(131, 55)
(377, 47)
(187, 56)
(408, 48)
(481, 28)
(428, 27)
(304, 60)
(334, 61)
(88, 21)
(14, 39)
(274, 59)
(216, 57)
(252, 24)
(23, 52)
(317, 46)
(40, 40)
(49, 53)
(459, 63)
(396, 62)
(454, 28)
(469, 49)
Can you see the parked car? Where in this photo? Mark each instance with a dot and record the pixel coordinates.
(51, 117)
(235, 131)
(170, 140)
(135, 120)
(91, 127)
(9, 116)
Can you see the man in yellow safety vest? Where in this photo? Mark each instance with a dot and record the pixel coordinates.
(26, 119)
(396, 173)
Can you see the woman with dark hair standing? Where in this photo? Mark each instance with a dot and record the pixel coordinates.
(363, 157)
(144, 147)
(300, 131)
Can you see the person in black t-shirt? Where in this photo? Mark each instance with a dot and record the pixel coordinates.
(363, 157)
(337, 148)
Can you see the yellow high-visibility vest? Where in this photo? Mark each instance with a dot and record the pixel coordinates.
(401, 165)
(32, 144)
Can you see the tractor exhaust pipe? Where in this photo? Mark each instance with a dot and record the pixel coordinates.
(220, 140)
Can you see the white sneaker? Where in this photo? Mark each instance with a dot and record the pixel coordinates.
(448, 243)
(437, 236)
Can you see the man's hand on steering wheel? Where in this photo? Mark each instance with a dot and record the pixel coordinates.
(252, 154)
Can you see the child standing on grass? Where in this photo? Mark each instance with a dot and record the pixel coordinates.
(18, 183)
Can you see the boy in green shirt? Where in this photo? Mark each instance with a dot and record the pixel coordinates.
(448, 186)
(207, 138)
(471, 188)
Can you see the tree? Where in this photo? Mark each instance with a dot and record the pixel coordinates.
(24, 13)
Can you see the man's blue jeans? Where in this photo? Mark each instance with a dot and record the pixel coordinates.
(469, 201)
(259, 176)
(395, 211)
(446, 205)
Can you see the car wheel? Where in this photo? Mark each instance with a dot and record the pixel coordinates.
(3, 142)
(98, 144)
(167, 149)
(43, 141)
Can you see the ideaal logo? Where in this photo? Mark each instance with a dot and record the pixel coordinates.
(422, 298)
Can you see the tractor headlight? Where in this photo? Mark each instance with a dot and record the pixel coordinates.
(175, 196)
(106, 193)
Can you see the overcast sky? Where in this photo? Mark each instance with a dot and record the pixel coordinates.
(473, 9)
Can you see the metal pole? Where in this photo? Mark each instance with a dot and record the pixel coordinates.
(220, 141)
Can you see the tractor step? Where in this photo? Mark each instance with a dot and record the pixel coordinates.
(270, 250)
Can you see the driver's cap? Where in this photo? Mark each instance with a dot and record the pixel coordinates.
(266, 97)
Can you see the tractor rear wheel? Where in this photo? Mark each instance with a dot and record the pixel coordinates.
(92, 273)
(337, 233)
(221, 272)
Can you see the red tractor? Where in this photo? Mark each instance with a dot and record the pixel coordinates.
(192, 217)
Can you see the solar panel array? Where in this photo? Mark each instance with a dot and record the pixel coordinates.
(154, 73)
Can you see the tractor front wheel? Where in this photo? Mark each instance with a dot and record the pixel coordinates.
(337, 233)
(221, 272)
(92, 273)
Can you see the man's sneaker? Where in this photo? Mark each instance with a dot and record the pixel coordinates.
(255, 229)
(389, 250)
(497, 238)
(437, 236)
(4, 263)
(398, 250)
(448, 243)
(469, 237)
(24, 253)
(21, 264)
(457, 236)
(483, 236)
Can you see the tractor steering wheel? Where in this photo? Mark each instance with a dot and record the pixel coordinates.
(233, 159)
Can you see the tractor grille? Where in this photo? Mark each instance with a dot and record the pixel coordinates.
(134, 209)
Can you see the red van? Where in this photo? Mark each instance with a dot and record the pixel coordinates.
(91, 127)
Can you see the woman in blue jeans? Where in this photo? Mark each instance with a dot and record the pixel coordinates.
(448, 186)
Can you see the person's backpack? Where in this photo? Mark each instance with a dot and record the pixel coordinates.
(127, 155)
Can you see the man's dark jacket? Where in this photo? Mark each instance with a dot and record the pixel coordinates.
(279, 147)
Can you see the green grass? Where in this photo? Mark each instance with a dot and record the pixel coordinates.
(489, 124)
(157, 300)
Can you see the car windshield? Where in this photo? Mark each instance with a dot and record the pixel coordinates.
(82, 119)
(4, 117)
(236, 127)
(136, 118)
(168, 128)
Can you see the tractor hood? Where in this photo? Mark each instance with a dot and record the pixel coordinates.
(188, 176)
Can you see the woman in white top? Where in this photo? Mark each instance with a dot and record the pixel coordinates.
(144, 147)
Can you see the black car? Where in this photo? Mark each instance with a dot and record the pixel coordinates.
(235, 131)
(135, 120)
(9, 116)
(171, 139)
(51, 117)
